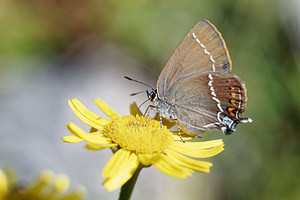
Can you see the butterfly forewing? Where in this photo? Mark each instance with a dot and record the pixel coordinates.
(202, 49)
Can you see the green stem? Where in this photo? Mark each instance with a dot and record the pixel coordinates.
(127, 188)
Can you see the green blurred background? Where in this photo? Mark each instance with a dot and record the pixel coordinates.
(49, 40)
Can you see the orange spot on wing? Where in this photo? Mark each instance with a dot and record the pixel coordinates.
(232, 101)
(230, 110)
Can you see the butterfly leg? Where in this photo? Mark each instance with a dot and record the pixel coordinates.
(179, 129)
(147, 112)
(160, 119)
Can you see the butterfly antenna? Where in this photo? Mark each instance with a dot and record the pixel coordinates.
(137, 93)
(128, 78)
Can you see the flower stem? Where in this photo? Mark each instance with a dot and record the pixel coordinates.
(127, 188)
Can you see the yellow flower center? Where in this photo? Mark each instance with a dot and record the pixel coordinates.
(131, 133)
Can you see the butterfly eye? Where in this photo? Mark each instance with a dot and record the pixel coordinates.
(153, 95)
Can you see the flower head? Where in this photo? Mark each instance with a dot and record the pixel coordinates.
(136, 143)
(46, 186)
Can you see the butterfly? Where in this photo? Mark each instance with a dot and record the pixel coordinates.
(197, 88)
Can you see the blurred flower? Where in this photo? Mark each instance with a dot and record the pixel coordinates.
(135, 144)
(47, 186)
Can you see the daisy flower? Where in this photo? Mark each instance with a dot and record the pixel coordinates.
(47, 186)
(136, 145)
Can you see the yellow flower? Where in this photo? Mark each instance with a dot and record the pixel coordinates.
(46, 186)
(3, 185)
(135, 144)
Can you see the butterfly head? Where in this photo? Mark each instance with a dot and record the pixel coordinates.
(152, 96)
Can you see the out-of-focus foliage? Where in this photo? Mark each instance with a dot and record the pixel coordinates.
(261, 160)
(39, 28)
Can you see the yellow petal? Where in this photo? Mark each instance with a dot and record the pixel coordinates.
(45, 178)
(96, 147)
(61, 183)
(113, 164)
(71, 139)
(82, 109)
(134, 110)
(87, 116)
(119, 169)
(165, 165)
(88, 137)
(204, 144)
(196, 165)
(106, 109)
(3, 184)
(185, 138)
(198, 149)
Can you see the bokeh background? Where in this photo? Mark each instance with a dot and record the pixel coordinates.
(54, 50)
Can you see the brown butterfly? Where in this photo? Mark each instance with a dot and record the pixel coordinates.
(196, 86)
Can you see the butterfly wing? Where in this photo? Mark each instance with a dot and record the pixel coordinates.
(198, 83)
(202, 49)
(208, 98)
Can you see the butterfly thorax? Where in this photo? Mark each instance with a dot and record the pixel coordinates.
(165, 109)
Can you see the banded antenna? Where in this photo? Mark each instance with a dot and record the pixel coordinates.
(128, 78)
